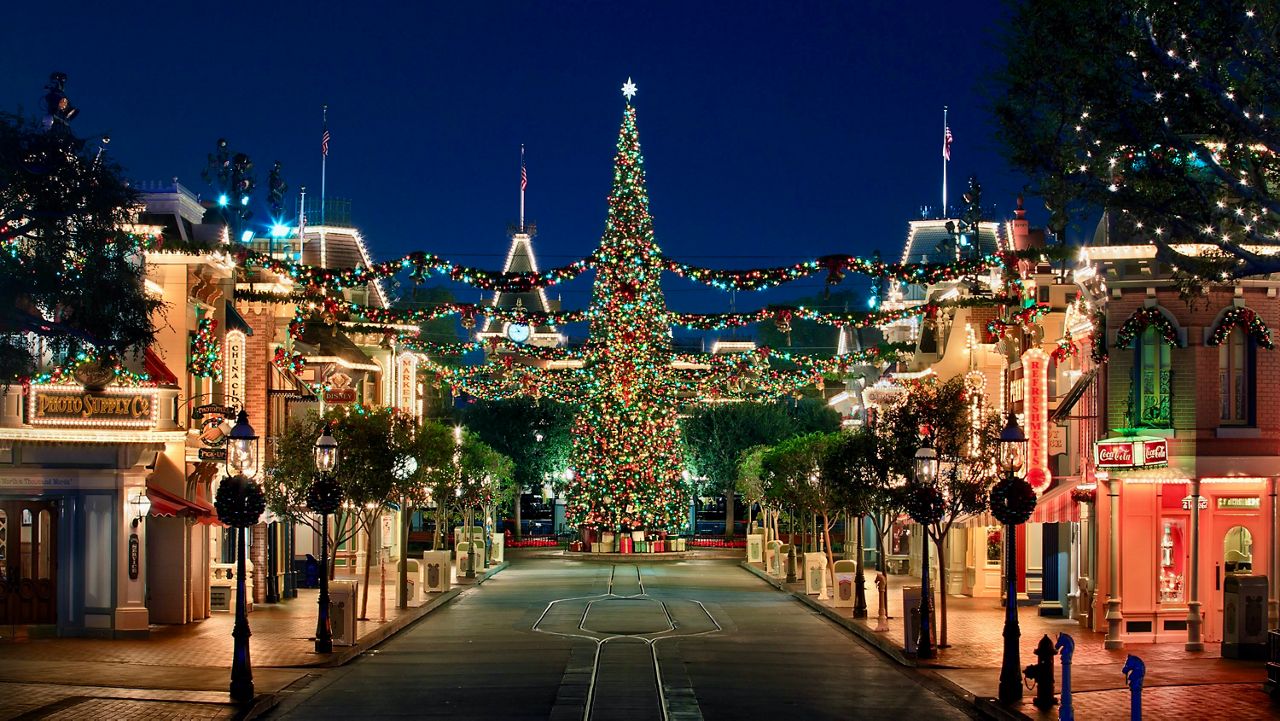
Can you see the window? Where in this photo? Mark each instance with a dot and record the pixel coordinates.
(1234, 378)
(1151, 407)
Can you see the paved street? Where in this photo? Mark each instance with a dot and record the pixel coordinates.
(557, 639)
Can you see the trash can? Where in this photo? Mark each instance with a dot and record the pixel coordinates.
(1244, 617)
(815, 573)
(911, 617)
(755, 548)
(438, 571)
(462, 557)
(498, 551)
(771, 557)
(844, 590)
(343, 597)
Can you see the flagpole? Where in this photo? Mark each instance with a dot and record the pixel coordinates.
(522, 177)
(324, 162)
(945, 160)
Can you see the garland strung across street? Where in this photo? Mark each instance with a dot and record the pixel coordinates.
(626, 380)
(1246, 318)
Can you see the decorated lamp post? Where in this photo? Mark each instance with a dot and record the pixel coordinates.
(325, 497)
(240, 503)
(1012, 503)
(403, 470)
(925, 508)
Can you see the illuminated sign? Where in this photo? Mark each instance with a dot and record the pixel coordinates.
(407, 382)
(1035, 407)
(215, 424)
(1239, 504)
(233, 367)
(338, 389)
(1131, 452)
(75, 406)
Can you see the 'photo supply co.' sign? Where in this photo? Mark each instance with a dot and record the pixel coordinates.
(1132, 452)
(74, 406)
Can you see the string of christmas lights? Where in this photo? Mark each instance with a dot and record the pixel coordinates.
(206, 350)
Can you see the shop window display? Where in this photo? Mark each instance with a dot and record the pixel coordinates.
(1173, 561)
(994, 544)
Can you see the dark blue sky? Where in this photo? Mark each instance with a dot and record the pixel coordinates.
(771, 131)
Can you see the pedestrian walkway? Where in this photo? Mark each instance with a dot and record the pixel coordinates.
(972, 661)
(190, 663)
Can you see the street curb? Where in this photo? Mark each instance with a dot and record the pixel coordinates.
(886, 646)
(267, 701)
(402, 622)
(984, 707)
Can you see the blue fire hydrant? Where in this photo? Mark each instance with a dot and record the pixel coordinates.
(1134, 672)
(1066, 647)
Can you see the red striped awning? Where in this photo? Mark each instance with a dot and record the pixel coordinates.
(1056, 506)
(156, 368)
(165, 503)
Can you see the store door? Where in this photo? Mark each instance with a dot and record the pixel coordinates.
(1235, 546)
(28, 562)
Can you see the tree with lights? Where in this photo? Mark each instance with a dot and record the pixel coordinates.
(1167, 119)
(72, 271)
(627, 451)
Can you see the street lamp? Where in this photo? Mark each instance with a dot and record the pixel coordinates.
(403, 470)
(1012, 503)
(926, 512)
(325, 497)
(240, 503)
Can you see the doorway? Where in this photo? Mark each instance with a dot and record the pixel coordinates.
(28, 562)
(1231, 550)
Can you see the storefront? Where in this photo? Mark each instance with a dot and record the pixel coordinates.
(1162, 568)
(74, 466)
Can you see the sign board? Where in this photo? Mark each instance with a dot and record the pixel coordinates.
(75, 406)
(1131, 452)
(1057, 440)
(338, 389)
(1252, 503)
(215, 423)
(1186, 503)
(135, 553)
(233, 367)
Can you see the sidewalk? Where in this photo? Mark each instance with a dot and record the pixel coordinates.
(183, 671)
(1199, 685)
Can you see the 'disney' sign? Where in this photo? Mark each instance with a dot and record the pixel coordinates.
(75, 406)
(1131, 452)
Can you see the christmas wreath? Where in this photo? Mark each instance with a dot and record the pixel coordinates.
(324, 495)
(924, 504)
(1138, 322)
(1239, 316)
(239, 502)
(1012, 500)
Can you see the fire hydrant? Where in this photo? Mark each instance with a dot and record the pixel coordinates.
(1041, 673)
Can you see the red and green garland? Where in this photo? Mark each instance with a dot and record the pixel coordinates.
(1139, 321)
(1242, 317)
(1065, 349)
(206, 351)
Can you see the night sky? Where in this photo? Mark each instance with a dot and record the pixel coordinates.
(772, 132)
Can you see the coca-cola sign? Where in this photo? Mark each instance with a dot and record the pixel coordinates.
(1131, 452)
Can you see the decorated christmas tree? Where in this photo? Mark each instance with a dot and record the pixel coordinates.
(627, 452)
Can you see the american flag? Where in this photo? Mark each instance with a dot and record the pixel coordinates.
(524, 174)
(946, 142)
(324, 143)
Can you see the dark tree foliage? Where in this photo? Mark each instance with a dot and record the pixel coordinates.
(69, 270)
(512, 427)
(1161, 113)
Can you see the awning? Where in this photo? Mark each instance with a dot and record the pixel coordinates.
(1056, 506)
(1073, 396)
(156, 368)
(332, 346)
(165, 503)
(235, 321)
